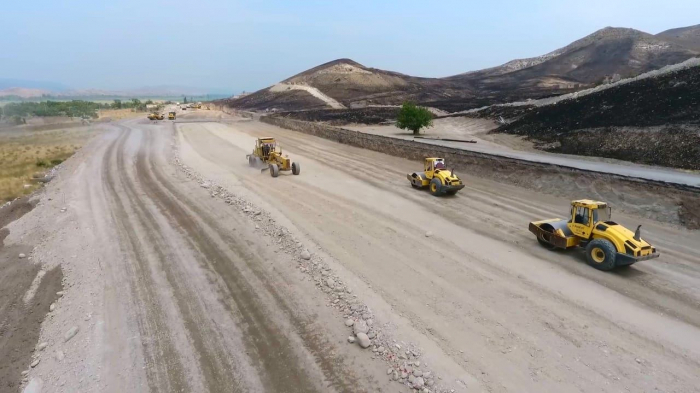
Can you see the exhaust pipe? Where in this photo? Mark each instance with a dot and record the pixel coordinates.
(637, 234)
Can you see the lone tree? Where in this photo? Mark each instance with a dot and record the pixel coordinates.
(412, 117)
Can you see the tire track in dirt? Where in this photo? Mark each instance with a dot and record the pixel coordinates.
(164, 370)
(279, 365)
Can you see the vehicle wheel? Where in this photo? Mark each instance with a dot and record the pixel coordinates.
(436, 187)
(544, 244)
(296, 168)
(274, 170)
(600, 254)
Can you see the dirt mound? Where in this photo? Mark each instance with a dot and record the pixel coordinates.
(652, 120)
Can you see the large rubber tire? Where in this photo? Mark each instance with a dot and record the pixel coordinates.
(296, 168)
(274, 170)
(600, 254)
(435, 187)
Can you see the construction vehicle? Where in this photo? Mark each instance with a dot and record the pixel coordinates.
(438, 179)
(589, 226)
(155, 116)
(171, 116)
(268, 154)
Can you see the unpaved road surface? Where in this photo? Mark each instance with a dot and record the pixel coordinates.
(172, 289)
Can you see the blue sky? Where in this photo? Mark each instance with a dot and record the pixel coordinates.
(233, 45)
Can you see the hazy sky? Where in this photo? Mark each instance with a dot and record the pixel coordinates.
(228, 45)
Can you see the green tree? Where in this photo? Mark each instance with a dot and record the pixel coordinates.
(413, 117)
(117, 104)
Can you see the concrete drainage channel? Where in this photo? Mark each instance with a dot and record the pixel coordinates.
(364, 328)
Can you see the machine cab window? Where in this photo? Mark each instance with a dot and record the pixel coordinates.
(581, 215)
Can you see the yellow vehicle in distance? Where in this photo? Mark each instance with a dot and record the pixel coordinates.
(171, 116)
(156, 116)
(608, 244)
(436, 176)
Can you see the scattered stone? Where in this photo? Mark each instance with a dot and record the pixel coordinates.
(411, 378)
(638, 360)
(42, 346)
(389, 371)
(205, 185)
(35, 363)
(363, 340)
(60, 293)
(404, 375)
(25, 372)
(418, 383)
(417, 373)
(361, 327)
(430, 382)
(60, 356)
(52, 307)
(306, 255)
(70, 334)
(330, 283)
(380, 349)
(22, 255)
(349, 322)
(416, 363)
(372, 334)
(351, 339)
(366, 316)
(429, 234)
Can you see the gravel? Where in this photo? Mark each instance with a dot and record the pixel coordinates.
(70, 333)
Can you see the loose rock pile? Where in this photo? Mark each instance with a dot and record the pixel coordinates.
(404, 359)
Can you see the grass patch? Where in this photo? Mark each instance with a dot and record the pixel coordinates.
(30, 153)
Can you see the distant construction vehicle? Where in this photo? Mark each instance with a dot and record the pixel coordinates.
(156, 116)
(171, 116)
(607, 243)
(436, 176)
(267, 153)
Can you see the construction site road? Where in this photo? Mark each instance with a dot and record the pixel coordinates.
(594, 164)
(184, 292)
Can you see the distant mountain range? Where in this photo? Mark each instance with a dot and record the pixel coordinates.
(606, 55)
(33, 89)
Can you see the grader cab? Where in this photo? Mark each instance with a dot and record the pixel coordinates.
(589, 225)
(268, 154)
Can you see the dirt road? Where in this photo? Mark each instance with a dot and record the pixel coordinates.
(172, 289)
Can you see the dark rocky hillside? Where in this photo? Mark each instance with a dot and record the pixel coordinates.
(652, 121)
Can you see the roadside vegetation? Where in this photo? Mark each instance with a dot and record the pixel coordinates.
(27, 155)
(16, 113)
(414, 118)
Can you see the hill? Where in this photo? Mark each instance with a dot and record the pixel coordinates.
(686, 36)
(608, 54)
(652, 119)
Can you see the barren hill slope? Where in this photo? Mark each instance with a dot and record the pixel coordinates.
(686, 36)
(352, 85)
(652, 120)
(606, 54)
(583, 63)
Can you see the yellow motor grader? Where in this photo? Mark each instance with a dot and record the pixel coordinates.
(436, 177)
(267, 153)
(589, 225)
(156, 116)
